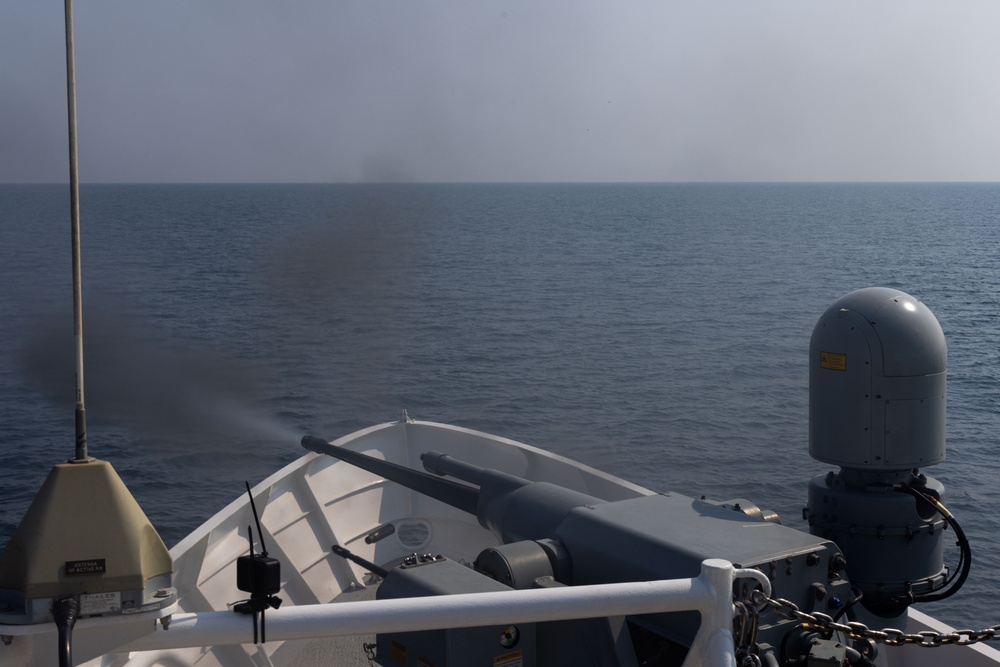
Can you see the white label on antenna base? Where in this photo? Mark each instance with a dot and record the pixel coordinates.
(100, 603)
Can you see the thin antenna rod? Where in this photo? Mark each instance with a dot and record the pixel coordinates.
(74, 203)
(260, 531)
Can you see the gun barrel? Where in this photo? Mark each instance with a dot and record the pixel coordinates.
(442, 464)
(367, 564)
(460, 496)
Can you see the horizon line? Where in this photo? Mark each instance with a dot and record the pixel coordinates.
(400, 182)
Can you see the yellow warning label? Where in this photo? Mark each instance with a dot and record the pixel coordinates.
(398, 652)
(512, 659)
(833, 360)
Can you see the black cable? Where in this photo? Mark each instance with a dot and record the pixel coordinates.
(65, 611)
(858, 595)
(953, 583)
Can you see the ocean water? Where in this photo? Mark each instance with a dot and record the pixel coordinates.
(659, 332)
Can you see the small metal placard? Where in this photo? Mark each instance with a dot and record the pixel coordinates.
(833, 361)
(93, 566)
(100, 603)
(512, 659)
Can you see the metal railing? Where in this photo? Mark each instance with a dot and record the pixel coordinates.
(710, 593)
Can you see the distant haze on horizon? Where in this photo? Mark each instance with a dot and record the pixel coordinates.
(448, 91)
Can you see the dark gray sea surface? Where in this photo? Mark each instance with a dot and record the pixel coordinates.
(659, 332)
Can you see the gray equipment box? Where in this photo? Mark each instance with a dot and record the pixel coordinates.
(490, 646)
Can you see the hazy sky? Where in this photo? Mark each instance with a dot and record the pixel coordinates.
(519, 90)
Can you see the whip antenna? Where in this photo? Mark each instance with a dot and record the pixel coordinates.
(74, 205)
(260, 532)
(92, 551)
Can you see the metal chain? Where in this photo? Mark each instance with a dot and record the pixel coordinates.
(888, 636)
(745, 626)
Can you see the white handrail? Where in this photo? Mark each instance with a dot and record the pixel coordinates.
(710, 594)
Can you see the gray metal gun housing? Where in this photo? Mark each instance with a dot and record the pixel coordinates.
(589, 540)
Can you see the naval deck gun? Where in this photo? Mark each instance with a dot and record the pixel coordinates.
(549, 535)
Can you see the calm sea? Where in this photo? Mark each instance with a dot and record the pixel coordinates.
(659, 332)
